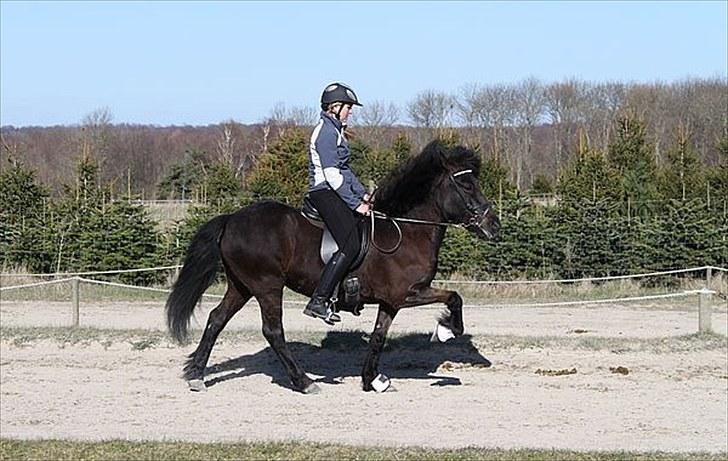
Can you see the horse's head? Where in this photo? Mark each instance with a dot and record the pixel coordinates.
(457, 193)
(445, 180)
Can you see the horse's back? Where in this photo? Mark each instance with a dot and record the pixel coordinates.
(267, 238)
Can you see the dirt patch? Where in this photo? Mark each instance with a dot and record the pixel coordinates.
(473, 391)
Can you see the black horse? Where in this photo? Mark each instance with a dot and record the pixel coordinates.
(269, 245)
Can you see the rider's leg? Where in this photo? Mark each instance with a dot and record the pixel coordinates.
(342, 224)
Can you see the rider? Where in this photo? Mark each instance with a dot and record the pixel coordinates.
(336, 193)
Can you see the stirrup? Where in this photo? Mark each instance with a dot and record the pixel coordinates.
(313, 309)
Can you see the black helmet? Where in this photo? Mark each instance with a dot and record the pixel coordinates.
(338, 92)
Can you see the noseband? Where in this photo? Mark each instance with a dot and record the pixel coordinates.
(477, 216)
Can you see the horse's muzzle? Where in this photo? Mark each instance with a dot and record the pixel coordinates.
(486, 222)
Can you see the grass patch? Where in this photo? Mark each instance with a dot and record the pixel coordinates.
(354, 340)
(123, 450)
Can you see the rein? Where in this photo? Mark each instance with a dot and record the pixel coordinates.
(476, 218)
(379, 215)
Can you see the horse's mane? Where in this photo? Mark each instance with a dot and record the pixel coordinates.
(412, 183)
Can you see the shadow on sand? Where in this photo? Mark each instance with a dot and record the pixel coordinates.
(342, 354)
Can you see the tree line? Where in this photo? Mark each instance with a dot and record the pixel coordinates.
(532, 127)
(615, 208)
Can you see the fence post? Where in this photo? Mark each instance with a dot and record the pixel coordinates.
(708, 277)
(74, 301)
(704, 311)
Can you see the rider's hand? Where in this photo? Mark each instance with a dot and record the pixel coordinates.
(367, 198)
(363, 208)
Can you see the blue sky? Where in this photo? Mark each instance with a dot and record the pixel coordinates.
(199, 63)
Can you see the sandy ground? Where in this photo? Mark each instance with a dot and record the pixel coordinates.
(446, 395)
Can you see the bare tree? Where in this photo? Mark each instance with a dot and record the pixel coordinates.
(565, 106)
(431, 109)
(530, 105)
(374, 119)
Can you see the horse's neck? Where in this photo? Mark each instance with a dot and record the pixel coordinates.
(428, 212)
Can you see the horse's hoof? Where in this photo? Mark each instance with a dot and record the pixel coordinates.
(312, 388)
(381, 383)
(442, 334)
(197, 385)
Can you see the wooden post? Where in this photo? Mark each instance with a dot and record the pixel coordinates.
(74, 301)
(708, 277)
(704, 311)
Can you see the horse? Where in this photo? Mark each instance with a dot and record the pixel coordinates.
(267, 246)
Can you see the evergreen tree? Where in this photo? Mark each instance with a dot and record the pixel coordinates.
(91, 233)
(23, 215)
(183, 177)
(541, 185)
(402, 148)
(632, 157)
(682, 178)
(686, 234)
(717, 177)
(588, 178)
(282, 172)
(593, 239)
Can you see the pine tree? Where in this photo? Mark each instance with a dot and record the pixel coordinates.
(183, 177)
(682, 178)
(23, 215)
(282, 172)
(686, 234)
(717, 178)
(632, 157)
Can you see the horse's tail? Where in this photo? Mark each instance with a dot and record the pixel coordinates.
(197, 274)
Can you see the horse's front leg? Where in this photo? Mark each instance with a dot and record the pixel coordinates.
(453, 320)
(371, 379)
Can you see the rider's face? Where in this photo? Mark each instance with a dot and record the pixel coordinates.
(346, 110)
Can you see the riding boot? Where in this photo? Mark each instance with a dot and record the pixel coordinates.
(320, 305)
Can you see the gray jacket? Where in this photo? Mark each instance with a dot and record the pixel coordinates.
(328, 162)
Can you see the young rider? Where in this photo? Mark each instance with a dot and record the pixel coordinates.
(336, 193)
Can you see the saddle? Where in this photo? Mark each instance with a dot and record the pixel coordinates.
(328, 244)
(348, 295)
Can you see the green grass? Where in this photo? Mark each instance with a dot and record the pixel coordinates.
(123, 450)
(353, 340)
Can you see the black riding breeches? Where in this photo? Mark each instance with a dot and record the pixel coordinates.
(341, 221)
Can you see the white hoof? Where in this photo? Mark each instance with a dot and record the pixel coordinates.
(442, 334)
(312, 388)
(197, 385)
(381, 383)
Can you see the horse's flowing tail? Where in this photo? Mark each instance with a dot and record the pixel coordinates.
(197, 274)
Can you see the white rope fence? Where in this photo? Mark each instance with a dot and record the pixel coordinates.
(109, 272)
(704, 295)
(584, 279)
(441, 281)
(30, 285)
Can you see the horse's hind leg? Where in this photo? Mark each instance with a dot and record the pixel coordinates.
(376, 343)
(271, 311)
(231, 303)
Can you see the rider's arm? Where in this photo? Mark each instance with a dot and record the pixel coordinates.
(336, 172)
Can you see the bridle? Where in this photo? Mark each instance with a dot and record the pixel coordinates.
(476, 219)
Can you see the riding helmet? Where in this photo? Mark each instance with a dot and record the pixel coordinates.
(338, 92)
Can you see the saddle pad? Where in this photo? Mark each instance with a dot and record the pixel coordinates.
(329, 246)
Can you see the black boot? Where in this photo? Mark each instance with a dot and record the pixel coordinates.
(320, 305)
